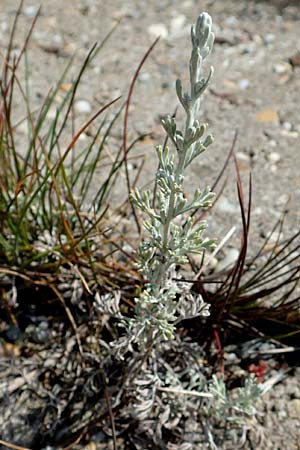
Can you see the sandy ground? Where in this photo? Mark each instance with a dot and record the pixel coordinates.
(255, 90)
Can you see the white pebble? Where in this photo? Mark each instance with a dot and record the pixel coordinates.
(283, 199)
(83, 107)
(242, 156)
(269, 38)
(274, 236)
(131, 166)
(51, 114)
(289, 134)
(244, 84)
(158, 29)
(281, 69)
(97, 70)
(287, 126)
(144, 77)
(257, 211)
(30, 10)
(4, 26)
(272, 143)
(274, 157)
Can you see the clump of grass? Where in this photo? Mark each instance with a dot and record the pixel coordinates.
(51, 216)
(257, 296)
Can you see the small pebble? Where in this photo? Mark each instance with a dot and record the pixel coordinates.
(274, 157)
(258, 40)
(83, 107)
(158, 29)
(144, 77)
(244, 84)
(97, 70)
(268, 115)
(269, 38)
(289, 134)
(257, 211)
(242, 156)
(287, 126)
(274, 236)
(272, 143)
(282, 414)
(4, 26)
(282, 199)
(50, 44)
(131, 166)
(273, 168)
(281, 69)
(30, 10)
(52, 114)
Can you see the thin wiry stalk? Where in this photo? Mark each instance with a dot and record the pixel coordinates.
(125, 126)
(74, 90)
(91, 169)
(37, 195)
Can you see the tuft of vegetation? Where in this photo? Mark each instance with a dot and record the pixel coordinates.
(54, 227)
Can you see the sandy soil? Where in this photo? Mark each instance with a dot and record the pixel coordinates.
(255, 90)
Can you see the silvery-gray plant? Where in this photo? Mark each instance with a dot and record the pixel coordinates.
(172, 234)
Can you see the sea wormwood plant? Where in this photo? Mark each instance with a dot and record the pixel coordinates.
(167, 299)
(171, 229)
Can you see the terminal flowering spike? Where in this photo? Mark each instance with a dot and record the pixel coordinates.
(169, 243)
